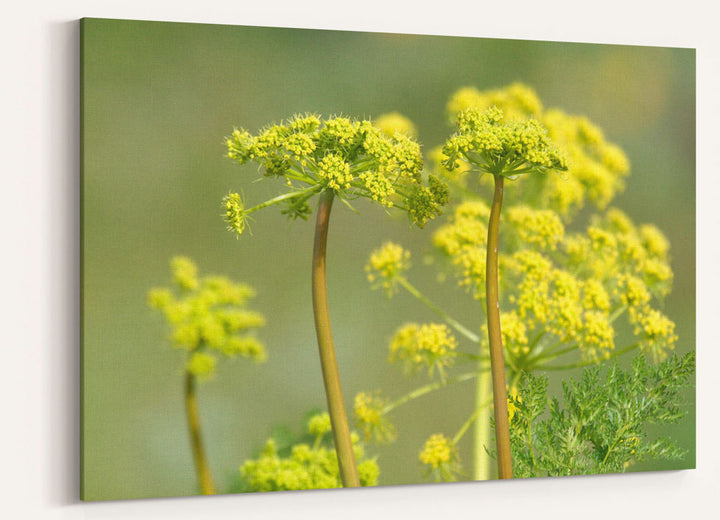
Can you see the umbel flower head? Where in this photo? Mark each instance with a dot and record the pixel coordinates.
(208, 317)
(351, 158)
(429, 346)
(370, 417)
(596, 168)
(500, 146)
(440, 456)
(386, 265)
(306, 466)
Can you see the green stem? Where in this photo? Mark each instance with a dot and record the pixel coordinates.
(328, 361)
(283, 197)
(591, 362)
(419, 392)
(482, 464)
(193, 417)
(497, 361)
(437, 310)
(466, 425)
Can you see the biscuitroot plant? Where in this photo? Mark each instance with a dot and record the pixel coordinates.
(334, 158)
(209, 318)
(565, 294)
(504, 149)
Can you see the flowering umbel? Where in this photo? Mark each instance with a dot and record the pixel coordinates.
(351, 158)
(208, 317)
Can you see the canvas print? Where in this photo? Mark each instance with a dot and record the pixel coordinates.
(324, 259)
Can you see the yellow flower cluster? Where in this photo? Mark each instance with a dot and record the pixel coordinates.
(208, 316)
(395, 122)
(542, 228)
(500, 146)
(518, 101)
(351, 158)
(463, 241)
(319, 424)
(369, 412)
(386, 264)
(596, 168)
(440, 455)
(575, 291)
(430, 345)
(306, 467)
(514, 333)
(334, 172)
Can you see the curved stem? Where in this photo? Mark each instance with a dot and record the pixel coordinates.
(328, 362)
(497, 361)
(193, 417)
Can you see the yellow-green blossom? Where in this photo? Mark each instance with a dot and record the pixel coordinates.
(208, 317)
(440, 455)
(597, 338)
(430, 346)
(518, 101)
(184, 273)
(463, 240)
(369, 412)
(201, 364)
(501, 146)
(514, 334)
(306, 467)
(319, 424)
(596, 168)
(351, 158)
(542, 228)
(656, 332)
(394, 122)
(386, 264)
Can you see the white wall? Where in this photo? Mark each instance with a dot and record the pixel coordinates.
(39, 275)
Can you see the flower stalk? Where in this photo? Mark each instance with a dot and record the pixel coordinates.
(202, 467)
(328, 361)
(497, 360)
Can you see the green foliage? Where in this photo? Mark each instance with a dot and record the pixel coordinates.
(601, 424)
(285, 465)
(208, 317)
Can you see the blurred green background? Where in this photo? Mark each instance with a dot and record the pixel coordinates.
(158, 100)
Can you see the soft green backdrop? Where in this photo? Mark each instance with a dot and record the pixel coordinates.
(157, 101)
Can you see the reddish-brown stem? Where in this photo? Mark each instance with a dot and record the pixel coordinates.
(497, 359)
(328, 361)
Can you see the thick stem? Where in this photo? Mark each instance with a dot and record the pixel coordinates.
(497, 360)
(328, 362)
(193, 417)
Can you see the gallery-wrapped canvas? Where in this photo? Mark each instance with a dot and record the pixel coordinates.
(323, 259)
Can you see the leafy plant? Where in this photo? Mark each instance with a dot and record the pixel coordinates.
(601, 424)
